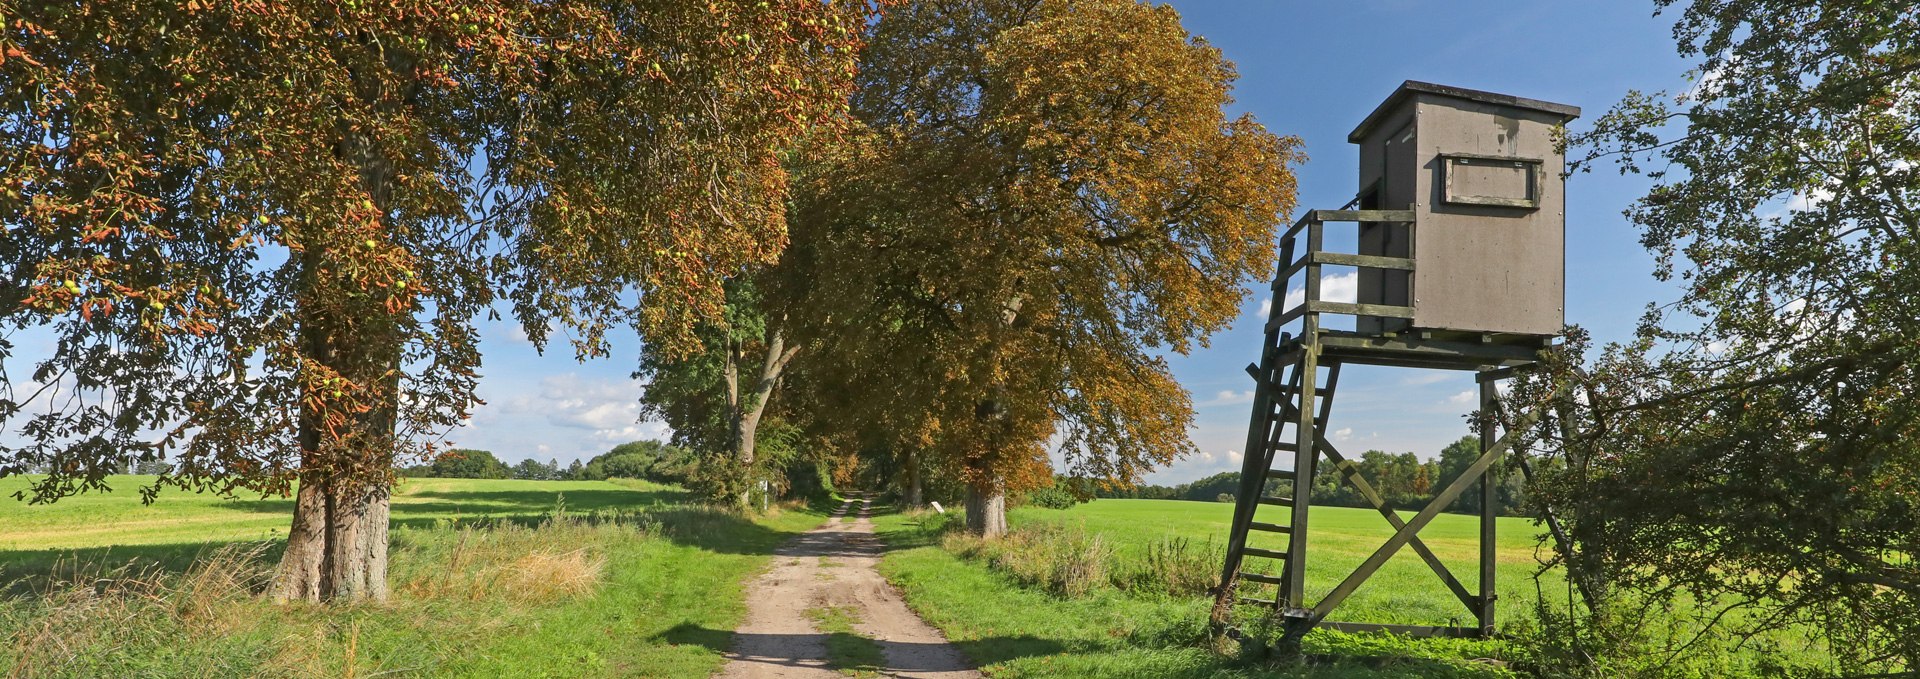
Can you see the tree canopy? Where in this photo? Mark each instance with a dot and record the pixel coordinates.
(1753, 447)
(1041, 198)
(262, 232)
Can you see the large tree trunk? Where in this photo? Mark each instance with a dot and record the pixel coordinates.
(337, 545)
(987, 509)
(915, 495)
(357, 541)
(337, 548)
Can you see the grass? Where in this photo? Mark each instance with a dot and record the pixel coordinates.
(119, 519)
(1018, 630)
(489, 580)
(1032, 605)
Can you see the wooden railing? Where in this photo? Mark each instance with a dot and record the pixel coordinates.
(1315, 256)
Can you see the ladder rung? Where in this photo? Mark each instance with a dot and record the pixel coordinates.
(1249, 600)
(1266, 553)
(1289, 447)
(1279, 473)
(1269, 527)
(1276, 501)
(1262, 579)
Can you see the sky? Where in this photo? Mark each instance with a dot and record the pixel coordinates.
(1309, 69)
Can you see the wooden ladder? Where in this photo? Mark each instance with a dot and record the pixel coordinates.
(1268, 529)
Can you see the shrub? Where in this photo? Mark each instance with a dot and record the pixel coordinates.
(1053, 497)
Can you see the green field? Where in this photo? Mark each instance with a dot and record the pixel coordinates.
(1015, 629)
(190, 520)
(632, 580)
(1023, 631)
(1405, 591)
(629, 578)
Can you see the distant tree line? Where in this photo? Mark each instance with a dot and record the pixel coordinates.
(650, 460)
(1402, 479)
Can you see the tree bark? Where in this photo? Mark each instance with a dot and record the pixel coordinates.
(915, 495)
(337, 547)
(987, 509)
(300, 575)
(357, 542)
(337, 544)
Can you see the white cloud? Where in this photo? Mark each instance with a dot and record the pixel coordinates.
(1809, 200)
(608, 408)
(1343, 434)
(1427, 377)
(1337, 288)
(1226, 398)
(1468, 397)
(1235, 456)
(1266, 307)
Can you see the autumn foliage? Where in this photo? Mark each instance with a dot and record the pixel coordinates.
(265, 230)
(1042, 198)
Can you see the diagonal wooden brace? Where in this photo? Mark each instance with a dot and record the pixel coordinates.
(1359, 483)
(1446, 497)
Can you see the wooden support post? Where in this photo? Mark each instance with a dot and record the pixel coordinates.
(1293, 593)
(1489, 506)
(1400, 537)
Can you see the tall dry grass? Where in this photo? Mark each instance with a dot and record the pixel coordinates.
(1066, 559)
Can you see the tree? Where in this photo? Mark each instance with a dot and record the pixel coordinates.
(1042, 197)
(1454, 460)
(1753, 446)
(535, 470)
(708, 401)
(650, 460)
(262, 233)
(466, 463)
(152, 467)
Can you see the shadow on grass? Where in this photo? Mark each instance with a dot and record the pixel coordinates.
(666, 513)
(490, 502)
(797, 650)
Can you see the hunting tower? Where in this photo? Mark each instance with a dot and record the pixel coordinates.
(1461, 249)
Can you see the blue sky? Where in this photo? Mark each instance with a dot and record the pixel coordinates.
(1311, 69)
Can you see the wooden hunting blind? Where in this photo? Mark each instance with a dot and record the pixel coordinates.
(1461, 263)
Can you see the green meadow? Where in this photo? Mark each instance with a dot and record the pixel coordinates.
(1018, 629)
(1006, 607)
(630, 578)
(490, 579)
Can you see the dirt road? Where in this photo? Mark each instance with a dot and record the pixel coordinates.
(830, 574)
